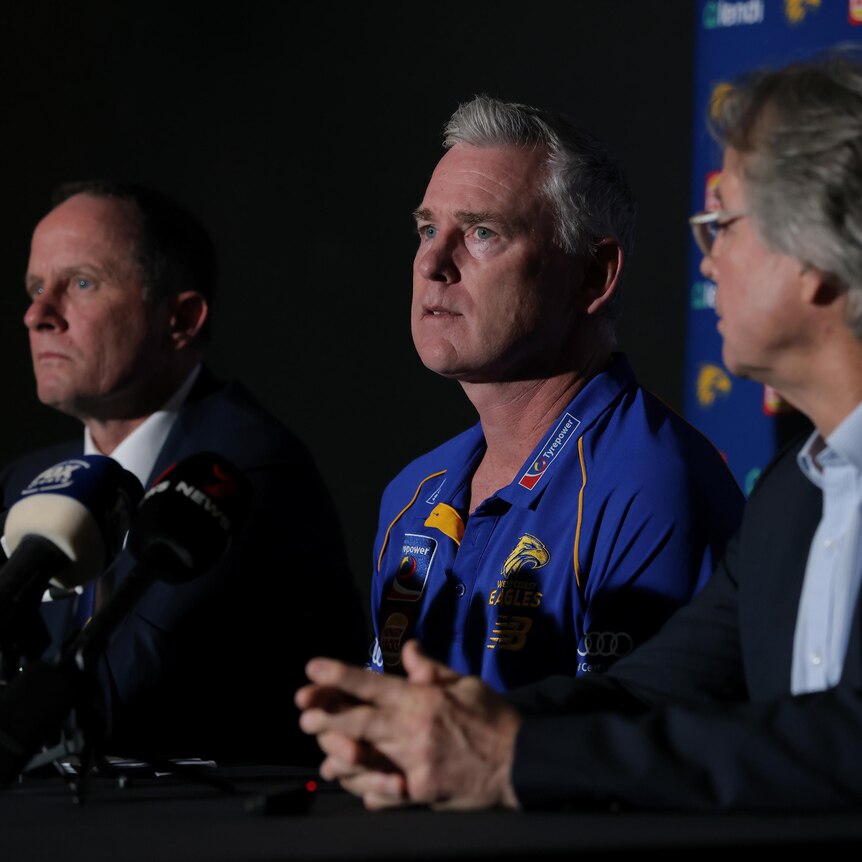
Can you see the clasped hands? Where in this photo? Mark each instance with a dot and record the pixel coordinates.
(434, 737)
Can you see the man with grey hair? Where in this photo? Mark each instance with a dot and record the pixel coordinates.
(564, 527)
(750, 698)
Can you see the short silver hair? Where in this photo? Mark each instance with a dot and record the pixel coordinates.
(585, 183)
(799, 131)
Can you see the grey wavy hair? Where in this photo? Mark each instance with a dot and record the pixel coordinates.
(799, 130)
(585, 183)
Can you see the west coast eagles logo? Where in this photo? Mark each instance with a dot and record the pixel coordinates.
(529, 553)
(517, 590)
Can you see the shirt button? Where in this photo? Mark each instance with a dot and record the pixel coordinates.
(816, 659)
(828, 544)
(460, 589)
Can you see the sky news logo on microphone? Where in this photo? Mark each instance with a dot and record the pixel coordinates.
(195, 495)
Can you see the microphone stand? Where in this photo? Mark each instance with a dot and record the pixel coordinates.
(64, 696)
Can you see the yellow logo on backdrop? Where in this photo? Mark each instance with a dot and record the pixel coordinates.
(796, 10)
(712, 382)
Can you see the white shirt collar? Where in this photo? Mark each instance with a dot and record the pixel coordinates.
(843, 444)
(137, 453)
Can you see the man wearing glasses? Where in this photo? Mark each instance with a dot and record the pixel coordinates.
(749, 698)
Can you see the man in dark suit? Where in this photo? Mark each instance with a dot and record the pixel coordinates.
(121, 281)
(749, 698)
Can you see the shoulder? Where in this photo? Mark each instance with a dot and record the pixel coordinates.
(782, 484)
(646, 440)
(228, 419)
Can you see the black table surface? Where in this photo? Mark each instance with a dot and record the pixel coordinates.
(174, 817)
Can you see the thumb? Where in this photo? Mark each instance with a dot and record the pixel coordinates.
(423, 670)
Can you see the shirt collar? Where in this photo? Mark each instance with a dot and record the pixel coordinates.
(137, 453)
(557, 445)
(843, 445)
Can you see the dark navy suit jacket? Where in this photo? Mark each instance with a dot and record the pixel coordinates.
(702, 714)
(209, 667)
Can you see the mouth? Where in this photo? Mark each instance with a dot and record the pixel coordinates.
(438, 311)
(49, 356)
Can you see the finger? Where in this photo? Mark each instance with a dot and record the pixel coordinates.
(379, 801)
(385, 789)
(334, 769)
(355, 753)
(423, 670)
(323, 697)
(339, 745)
(357, 722)
(362, 684)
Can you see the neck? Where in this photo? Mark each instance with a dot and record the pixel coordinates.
(826, 388)
(516, 415)
(111, 425)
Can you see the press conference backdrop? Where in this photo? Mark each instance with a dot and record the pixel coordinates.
(746, 420)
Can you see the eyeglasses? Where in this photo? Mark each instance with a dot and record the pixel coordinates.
(706, 226)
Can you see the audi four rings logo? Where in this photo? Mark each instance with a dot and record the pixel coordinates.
(607, 644)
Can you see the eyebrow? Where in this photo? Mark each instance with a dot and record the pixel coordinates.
(468, 217)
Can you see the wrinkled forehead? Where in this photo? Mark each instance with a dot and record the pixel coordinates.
(508, 178)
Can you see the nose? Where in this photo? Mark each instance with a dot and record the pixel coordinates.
(707, 267)
(43, 314)
(436, 261)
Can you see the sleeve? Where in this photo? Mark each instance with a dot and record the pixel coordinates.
(792, 753)
(671, 727)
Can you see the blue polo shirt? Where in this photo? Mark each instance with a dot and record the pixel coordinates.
(613, 522)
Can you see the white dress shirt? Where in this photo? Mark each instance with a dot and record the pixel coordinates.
(834, 569)
(137, 453)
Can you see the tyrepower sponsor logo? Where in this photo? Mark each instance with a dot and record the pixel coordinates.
(550, 449)
(417, 554)
(854, 11)
(720, 13)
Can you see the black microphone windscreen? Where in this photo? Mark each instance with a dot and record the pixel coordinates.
(193, 510)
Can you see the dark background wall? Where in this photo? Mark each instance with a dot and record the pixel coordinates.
(304, 136)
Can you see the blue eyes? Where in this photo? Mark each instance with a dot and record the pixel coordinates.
(83, 283)
(483, 234)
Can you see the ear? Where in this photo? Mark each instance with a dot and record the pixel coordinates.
(601, 276)
(188, 313)
(819, 288)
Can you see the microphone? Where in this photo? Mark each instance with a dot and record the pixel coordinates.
(181, 528)
(66, 525)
